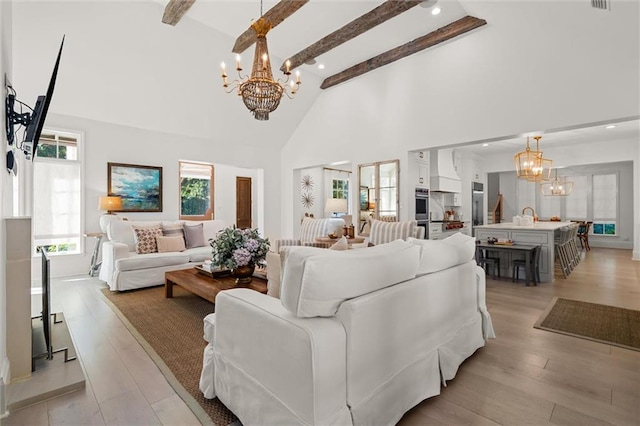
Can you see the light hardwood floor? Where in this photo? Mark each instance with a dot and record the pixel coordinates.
(524, 376)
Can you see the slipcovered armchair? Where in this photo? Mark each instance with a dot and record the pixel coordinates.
(384, 231)
(310, 229)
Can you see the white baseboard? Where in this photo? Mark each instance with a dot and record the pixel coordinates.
(624, 245)
(4, 379)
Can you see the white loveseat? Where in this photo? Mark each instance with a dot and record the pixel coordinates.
(358, 336)
(124, 269)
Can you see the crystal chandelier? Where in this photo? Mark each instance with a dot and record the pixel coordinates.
(556, 188)
(260, 93)
(531, 165)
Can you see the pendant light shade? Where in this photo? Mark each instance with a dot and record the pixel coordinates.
(557, 188)
(531, 165)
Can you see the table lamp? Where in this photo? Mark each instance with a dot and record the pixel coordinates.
(335, 206)
(110, 203)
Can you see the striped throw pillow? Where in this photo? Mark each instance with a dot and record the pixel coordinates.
(385, 232)
(173, 230)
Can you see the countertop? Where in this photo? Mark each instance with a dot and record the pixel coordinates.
(541, 226)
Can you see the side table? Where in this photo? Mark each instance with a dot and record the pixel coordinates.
(95, 264)
(354, 240)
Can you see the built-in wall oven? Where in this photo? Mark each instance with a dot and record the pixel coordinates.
(422, 209)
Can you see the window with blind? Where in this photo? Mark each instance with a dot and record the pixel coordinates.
(57, 201)
(196, 190)
(605, 204)
(576, 203)
(549, 206)
(526, 195)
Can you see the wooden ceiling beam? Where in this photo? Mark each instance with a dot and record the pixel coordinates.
(275, 15)
(440, 35)
(175, 10)
(360, 25)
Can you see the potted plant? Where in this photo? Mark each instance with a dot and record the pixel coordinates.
(239, 250)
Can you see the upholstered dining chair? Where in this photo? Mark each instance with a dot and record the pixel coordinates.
(583, 234)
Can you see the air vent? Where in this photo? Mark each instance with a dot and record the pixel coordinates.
(601, 4)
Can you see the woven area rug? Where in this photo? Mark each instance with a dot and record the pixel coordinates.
(601, 323)
(170, 330)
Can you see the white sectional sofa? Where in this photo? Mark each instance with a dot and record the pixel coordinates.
(357, 337)
(124, 269)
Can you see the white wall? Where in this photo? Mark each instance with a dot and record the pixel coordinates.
(225, 193)
(106, 142)
(5, 186)
(481, 86)
(122, 65)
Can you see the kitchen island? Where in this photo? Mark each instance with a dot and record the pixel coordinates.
(541, 233)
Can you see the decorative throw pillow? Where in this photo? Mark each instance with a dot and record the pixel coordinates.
(341, 244)
(173, 230)
(146, 239)
(194, 236)
(169, 244)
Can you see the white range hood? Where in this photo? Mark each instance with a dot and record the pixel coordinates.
(443, 174)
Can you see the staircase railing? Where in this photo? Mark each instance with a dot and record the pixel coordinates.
(497, 210)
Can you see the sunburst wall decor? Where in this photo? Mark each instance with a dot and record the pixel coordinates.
(307, 200)
(307, 183)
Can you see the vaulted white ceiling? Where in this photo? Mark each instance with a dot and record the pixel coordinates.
(122, 65)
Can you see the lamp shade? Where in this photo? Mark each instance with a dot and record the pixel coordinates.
(110, 203)
(336, 205)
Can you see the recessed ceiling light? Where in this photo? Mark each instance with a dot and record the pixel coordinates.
(321, 66)
(436, 11)
(610, 126)
(485, 144)
(310, 62)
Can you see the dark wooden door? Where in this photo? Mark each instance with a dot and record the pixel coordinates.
(243, 202)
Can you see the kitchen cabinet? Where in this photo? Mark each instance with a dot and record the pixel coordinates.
(421, 157)
(422, 174)
(420, 168)
(435, 231)
(541, 233)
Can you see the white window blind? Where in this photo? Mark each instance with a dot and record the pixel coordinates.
(549, 206)
(605, 196)
(526, 195)
(57, 195)
(576, 202)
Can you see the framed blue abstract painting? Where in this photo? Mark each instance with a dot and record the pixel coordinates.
(140, 187)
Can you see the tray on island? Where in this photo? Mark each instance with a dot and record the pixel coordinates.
(216, 273)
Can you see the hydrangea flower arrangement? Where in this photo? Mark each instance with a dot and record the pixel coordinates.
(235, 247)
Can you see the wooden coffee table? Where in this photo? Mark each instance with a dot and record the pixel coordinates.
(205, 286)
